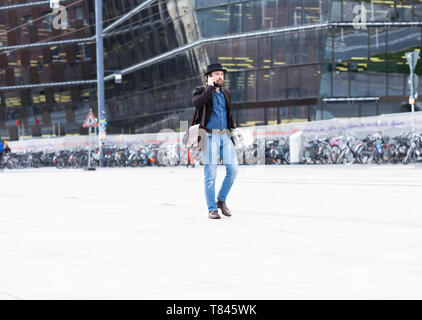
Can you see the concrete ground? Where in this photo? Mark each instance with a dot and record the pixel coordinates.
(297, 232)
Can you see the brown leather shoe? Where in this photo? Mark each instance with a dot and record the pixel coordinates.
(224, 209)
(214, 214)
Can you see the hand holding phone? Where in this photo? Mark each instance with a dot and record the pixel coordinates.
(210, 81)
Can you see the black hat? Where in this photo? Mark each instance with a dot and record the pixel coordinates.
(214, 67)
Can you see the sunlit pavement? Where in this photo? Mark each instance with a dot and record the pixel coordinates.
(297, 232)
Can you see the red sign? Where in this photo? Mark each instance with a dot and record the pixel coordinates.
(90, 121)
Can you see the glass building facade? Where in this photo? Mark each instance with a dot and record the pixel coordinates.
(287, 60)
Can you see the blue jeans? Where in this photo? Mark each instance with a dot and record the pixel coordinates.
(218, 145)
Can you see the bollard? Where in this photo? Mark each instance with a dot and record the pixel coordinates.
(296, 147)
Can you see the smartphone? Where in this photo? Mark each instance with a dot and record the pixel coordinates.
(213, 83)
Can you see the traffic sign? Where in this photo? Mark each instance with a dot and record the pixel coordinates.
(411, 100)
(90, 121)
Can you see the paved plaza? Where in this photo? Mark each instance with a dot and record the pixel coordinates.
(297, 232)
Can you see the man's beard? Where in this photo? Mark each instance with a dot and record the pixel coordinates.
(217, 84)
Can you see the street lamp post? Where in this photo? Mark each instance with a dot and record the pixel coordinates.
(100, 78)
(412, 59)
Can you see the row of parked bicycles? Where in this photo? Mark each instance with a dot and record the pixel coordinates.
(346, 149)
(375, 148)
(157, 154)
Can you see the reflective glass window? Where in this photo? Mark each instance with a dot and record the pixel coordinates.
(214, 21)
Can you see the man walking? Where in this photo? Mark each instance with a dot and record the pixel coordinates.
(217, 138)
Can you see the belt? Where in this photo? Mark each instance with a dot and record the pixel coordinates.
(217, 131)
